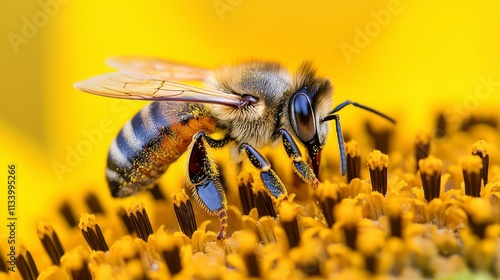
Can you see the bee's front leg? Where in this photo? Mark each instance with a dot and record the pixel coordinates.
(271, 181)
(303, 170)
(203, 176)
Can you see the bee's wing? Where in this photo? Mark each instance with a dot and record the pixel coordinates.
(157, 69)
(123, 85)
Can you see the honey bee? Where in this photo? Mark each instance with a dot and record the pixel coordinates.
(255, 103)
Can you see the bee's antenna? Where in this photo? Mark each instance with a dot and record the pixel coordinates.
(349, 102)
(340, 139)
(333, 116)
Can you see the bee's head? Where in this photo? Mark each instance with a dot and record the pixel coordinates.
(309, 103)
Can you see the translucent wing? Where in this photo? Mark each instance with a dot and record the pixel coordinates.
(124, 85)
(157, 69)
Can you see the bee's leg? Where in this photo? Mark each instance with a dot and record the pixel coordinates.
(214, 143)
(300, 167)
(205, 181)
(271, 181)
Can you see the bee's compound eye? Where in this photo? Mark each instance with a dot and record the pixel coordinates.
(302, 117)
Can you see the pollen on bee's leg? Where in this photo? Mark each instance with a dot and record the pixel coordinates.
(263, 201)
(92, 233)
(353, 160)
(140, 220)
(377, 165)
(26, 265)
(480, 148)
(300, 167)
(422, 147)
(50, 242)
(254, 195)
(306, 173)
(272, 183)
(205, 181)
(430, 173)
(184, 212)
(471, 169)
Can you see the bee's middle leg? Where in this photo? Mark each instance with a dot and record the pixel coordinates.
(203, 176)
(301, 168)
(272, 182)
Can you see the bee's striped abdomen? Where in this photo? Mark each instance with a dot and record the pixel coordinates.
(153, 139)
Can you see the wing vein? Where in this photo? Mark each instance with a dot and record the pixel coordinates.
(154, 79)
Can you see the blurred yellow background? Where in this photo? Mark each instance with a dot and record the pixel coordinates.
(408, 58)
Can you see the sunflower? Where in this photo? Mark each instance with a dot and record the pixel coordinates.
(420, 199)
